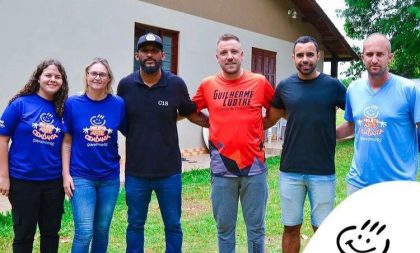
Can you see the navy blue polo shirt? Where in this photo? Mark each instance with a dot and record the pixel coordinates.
(152, 148)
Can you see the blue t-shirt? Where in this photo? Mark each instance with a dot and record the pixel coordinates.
(36, 133)
(385, 145)
(94, 126)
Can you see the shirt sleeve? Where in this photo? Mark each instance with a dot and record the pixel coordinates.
(199, 98)
(277, 102)
(348, 112)
(123, 120)
(268, 94)
(68, 118)
(9, 120)
(416, 104)
(186, 106)
(341, 95)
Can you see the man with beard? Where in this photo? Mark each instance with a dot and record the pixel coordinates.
(153, 99)
(309, 100)
(234, 98)
(382, 111)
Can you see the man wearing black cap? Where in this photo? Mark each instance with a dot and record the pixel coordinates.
(153, 99)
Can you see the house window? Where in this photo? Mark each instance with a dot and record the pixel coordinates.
(264, 63)
(170, 45)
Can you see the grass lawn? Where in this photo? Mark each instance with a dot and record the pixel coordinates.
(340, 117)
(197, 220)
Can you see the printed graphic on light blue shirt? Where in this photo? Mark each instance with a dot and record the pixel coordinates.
(371, 126)
(44, 130)
(97, 132)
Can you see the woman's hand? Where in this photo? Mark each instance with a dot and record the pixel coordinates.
(4, 185)
(68, 185)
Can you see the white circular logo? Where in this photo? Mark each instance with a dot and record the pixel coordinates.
(150, 37)
(381, 218)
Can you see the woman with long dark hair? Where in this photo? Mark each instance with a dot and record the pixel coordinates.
(30, 170)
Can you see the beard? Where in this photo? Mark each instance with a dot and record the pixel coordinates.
(151, 69)
(231, 68)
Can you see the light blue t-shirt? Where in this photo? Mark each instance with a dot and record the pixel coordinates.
(36, 133)
(94, 126)
(385, 145)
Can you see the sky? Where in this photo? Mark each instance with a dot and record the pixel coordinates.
(329, 7)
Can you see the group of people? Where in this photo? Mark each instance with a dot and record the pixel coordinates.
(69, 146)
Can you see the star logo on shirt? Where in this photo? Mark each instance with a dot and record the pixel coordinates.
(382, 124)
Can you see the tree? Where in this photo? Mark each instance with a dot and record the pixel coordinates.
(398, 19)
(356, 67)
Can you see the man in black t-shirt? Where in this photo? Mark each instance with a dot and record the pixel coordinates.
(309, 99)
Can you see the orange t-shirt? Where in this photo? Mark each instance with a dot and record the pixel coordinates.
(236, 128)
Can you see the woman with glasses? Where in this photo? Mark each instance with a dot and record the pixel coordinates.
(30, 170)
(90, 157)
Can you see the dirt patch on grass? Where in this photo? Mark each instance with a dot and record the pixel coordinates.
(190, 207)
(195, 207)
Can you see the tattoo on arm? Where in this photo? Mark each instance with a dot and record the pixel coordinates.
(67, 148)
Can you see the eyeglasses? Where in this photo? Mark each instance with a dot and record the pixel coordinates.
(101, 75)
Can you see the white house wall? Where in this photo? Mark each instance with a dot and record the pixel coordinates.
(77, 31)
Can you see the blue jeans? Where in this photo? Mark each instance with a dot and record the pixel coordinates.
(93, 205)
(293, 190)
(253, 193)
(168, 192)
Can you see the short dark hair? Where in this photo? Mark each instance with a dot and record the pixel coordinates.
(227, 36)
(306, 39)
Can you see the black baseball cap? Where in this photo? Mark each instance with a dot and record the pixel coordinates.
(150, 38)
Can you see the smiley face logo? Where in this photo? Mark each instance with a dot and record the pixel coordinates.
(98, 120)
(371, 112)
(47, 118)
(363, 240)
